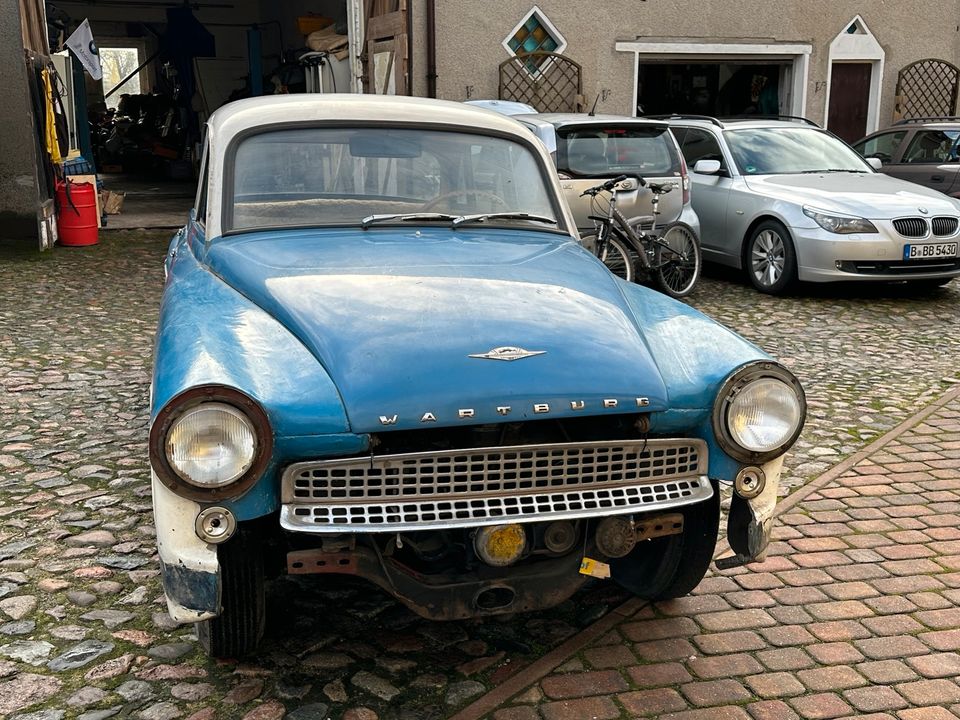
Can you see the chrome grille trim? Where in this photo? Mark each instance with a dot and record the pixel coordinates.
(944, 226)
(913, 227)
(485, 486)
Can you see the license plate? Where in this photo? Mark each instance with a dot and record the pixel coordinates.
(929, 251)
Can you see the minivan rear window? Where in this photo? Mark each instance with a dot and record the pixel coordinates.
(605, 150)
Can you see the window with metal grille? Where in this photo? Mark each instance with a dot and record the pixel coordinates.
(534, 34)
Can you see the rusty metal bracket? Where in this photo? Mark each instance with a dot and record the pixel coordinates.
(659, 526)
(308, 562)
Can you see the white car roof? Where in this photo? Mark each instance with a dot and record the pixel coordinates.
(242, 115)
(237, 118)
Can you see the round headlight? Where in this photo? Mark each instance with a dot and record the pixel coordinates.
(763, 415)
(760, 412)
(211, 445)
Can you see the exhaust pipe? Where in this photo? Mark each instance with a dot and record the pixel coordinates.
(494, 598)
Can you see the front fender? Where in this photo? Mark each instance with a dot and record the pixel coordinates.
(209, 333)
(693, 353)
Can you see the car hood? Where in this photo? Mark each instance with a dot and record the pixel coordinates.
(395, 317)
(871, 195)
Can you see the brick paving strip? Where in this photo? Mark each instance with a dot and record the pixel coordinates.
(856, 612)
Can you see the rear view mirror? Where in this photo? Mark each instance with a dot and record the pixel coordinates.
(383, 144)
(707, 167)
(875, 162)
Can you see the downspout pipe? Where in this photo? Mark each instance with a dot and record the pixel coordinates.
(431, 48)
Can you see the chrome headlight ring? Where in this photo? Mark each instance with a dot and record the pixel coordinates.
(248, 417)
(757, 393)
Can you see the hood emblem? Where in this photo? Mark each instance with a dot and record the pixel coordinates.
(923, 210)
(508, 353)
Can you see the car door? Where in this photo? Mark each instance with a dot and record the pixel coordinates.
(710, 194)
(930, 159)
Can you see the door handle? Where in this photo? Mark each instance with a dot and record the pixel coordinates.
(936, 178)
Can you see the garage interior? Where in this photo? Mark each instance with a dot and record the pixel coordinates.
(720, 88)
(168, 65)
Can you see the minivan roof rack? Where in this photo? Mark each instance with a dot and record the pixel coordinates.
(685, 116)
(934, 118)
(744, 118)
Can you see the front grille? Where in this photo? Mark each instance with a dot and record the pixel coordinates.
(944, 226)
(911, 227)
(488, 485)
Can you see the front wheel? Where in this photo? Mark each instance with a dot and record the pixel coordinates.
(677, 260)
(770, 258)
(237, 630)
(670, 567)
(614, 254)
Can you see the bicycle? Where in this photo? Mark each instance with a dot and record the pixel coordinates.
(671, 258)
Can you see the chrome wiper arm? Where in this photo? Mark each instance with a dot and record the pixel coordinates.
(404, 217)
(481, 217)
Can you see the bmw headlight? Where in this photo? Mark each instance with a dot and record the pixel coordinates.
(759, 412)
(210, 442)
(842, 224)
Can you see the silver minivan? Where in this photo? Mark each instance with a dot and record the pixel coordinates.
(590, 149)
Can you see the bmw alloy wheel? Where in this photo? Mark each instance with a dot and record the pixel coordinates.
(767, 257)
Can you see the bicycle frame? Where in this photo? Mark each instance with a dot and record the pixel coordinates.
(616, 222)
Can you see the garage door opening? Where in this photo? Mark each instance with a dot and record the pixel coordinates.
(719, 78)
(713, 88)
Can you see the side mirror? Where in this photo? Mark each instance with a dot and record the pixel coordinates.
(707, 167)
(875, 163)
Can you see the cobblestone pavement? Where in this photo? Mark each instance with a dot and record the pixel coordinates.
(83, 630)
(855, 613)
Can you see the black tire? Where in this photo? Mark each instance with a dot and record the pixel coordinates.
(672, 566)
(677, 260)
(769, 258)
(238, 629)
(615, 255)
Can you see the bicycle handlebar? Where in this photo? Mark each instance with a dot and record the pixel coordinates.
(612, 183)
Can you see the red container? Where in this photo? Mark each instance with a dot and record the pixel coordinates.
(77, 214)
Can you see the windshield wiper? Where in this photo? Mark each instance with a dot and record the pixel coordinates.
(404, 217)
(830, 170)
(481, 217)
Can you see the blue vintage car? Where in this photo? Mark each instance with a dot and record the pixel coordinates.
(383, 352)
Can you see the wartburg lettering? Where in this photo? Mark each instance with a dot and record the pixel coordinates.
(538, 409)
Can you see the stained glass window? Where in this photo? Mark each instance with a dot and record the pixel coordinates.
(535, 33)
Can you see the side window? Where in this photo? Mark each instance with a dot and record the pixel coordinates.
(201, 201)
(932, 146)
(700, 145)
(883, 147)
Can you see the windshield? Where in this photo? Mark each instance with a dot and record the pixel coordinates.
(601, 151)
(335, 176)
(788, 150)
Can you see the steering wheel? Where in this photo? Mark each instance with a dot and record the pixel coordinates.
(434, 202)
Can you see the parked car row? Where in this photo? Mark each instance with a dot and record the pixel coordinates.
(781, 199)
(384, 351)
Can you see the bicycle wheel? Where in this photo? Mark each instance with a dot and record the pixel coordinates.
(677, 260)
(614, 254)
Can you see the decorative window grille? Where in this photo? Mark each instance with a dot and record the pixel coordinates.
(535, 34)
